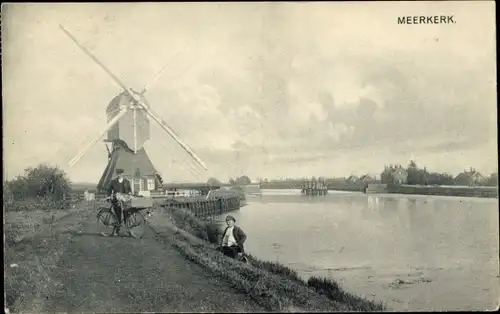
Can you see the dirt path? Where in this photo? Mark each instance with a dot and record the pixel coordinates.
(98, 274)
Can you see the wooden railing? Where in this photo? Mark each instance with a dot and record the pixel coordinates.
(205, 208)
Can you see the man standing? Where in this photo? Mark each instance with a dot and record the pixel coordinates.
(118, 185)
(233, 239)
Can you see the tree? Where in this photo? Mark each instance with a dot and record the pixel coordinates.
(435, 178)
(386, 175)
(463, 179)
(412, 164)
(231, 181)
(213, 181)
(492, 180)
(243, 180)
(41, 181)
(414, 175)
(8, 196)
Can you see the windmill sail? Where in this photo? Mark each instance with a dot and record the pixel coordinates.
(128, 129)
(110, 124)
(138, 101)
(88, 53)
(175, 136)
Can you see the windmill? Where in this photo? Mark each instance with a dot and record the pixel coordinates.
(127, 130)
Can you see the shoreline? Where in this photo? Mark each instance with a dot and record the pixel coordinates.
(450, 191)
(271, 284)
(453, 191)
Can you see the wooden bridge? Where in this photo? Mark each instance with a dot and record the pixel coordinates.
(314, 188)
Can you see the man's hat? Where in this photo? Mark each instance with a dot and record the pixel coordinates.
(120, 171)
(229, 217)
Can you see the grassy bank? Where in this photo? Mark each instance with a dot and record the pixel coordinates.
(490, 192)
(32, 244)
(273, 285)
(458, 191)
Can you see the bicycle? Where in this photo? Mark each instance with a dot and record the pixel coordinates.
(132, 218)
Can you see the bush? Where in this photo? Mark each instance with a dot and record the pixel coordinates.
(36, 203)
(214, 233)
(42, 182)
(8, 196)
(205, 230)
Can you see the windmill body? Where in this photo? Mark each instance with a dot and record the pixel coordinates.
(133, 128)
(127, 130)
(127, 138)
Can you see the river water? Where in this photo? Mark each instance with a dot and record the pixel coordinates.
(411, 252)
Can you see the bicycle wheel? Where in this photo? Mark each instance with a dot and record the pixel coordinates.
(136, 225)
(106, 221)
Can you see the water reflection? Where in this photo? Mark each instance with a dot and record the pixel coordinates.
(368, 241)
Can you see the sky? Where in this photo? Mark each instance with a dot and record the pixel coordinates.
(260, 89)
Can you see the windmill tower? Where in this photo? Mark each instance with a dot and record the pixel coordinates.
(127, 130)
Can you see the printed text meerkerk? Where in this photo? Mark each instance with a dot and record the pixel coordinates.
(422, 19)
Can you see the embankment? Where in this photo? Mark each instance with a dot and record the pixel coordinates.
(272, 285)
(34, 239)
(461, 191)
(63, 254)
(76, 270)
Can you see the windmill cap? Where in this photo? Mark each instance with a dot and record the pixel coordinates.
(119, 171)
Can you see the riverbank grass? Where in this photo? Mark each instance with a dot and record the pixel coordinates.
(333, 291)
(271, 284)
(34, 238)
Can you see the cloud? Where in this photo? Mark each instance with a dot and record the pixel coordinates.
(263, 88)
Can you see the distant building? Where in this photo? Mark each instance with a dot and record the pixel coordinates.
(399, 175)
(366, 178)
(470, 178)
(352, 179)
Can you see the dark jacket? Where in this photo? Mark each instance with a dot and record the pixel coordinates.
(117, 187)
(239, 236)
